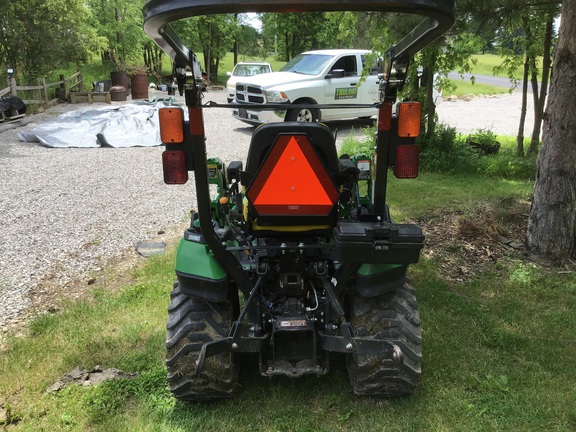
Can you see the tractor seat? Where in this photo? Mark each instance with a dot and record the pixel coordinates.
(291, 177)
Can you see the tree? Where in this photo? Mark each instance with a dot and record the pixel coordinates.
(37, 36)
(551, 229)
(297, 32)
(451, 52)
(213, 34)
(524, 32)
(119, 23)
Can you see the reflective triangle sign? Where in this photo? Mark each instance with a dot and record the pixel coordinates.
(293, 181)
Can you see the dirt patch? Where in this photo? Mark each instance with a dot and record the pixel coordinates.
(84, 377)
(468, 244)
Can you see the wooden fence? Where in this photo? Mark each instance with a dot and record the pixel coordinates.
(62, 89)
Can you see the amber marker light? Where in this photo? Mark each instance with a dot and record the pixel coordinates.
(171, 125)
(409, 117)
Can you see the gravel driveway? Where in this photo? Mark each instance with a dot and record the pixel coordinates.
(67, 213)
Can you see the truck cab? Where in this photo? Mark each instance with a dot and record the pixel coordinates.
(311, 78)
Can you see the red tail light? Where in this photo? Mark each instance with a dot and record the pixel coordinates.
(407, 161)
(174, 167)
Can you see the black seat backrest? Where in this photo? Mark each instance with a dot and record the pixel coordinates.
(319, 135)
(321, 140)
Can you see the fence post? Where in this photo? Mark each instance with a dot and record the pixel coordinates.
(44, 89)
(80, 81)
(62, 93)
(13, 91)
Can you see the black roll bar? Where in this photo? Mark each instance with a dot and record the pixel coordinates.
(158, 14)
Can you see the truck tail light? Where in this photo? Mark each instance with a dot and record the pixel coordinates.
(171, 125)
(385, 117)
(407, 161)
(174, 167)
(409, 117)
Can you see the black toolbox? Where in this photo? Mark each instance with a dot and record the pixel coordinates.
(378, 242)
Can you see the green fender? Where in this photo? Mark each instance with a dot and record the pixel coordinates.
(198, 272)
(376, 279)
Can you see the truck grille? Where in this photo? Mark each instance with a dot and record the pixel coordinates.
(249, 93)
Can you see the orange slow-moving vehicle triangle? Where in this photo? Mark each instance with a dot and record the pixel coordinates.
(293, 180)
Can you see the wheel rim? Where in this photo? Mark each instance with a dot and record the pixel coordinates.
(305, 115)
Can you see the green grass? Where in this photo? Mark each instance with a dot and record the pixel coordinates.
(465, 87)
(499, 351)
(485, 64)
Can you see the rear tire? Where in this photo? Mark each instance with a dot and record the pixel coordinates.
(392, 317)
(306, 115)
(191, 322)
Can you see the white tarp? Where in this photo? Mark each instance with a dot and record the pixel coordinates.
(130, 125)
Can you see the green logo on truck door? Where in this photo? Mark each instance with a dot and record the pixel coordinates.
(346, 93)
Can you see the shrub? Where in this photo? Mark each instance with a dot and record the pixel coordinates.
(507, 164)
(448, 152)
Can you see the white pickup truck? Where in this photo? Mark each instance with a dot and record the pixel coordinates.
(313, 77)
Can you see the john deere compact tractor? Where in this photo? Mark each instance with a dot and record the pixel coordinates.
(296, 257)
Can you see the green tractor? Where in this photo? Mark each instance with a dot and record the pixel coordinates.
(297, 256)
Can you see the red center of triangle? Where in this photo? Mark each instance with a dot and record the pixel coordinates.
(293, 181)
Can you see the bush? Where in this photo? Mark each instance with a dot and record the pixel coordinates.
(507, 164)
(448, 152)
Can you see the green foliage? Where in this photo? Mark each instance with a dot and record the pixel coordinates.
(447, 152)
(507, 164)
(354, 147)
(119, 22)
(483, 136)
(297, 32)
(38, 36)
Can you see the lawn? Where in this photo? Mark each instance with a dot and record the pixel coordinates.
(499, 347)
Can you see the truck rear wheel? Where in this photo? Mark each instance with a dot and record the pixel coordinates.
(308, 115)
(191, 323)
(393, 317)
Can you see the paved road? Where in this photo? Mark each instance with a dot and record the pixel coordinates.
(490, 80)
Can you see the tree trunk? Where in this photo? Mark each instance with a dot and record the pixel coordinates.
(539, 107)
(430, 105)
(520, 137)
(551, 229)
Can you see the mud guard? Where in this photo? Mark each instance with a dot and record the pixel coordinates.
(199, 273)
(376, 279)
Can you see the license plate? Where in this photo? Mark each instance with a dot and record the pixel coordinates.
(242, 113)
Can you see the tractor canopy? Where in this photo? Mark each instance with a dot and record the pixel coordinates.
(438, 17)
